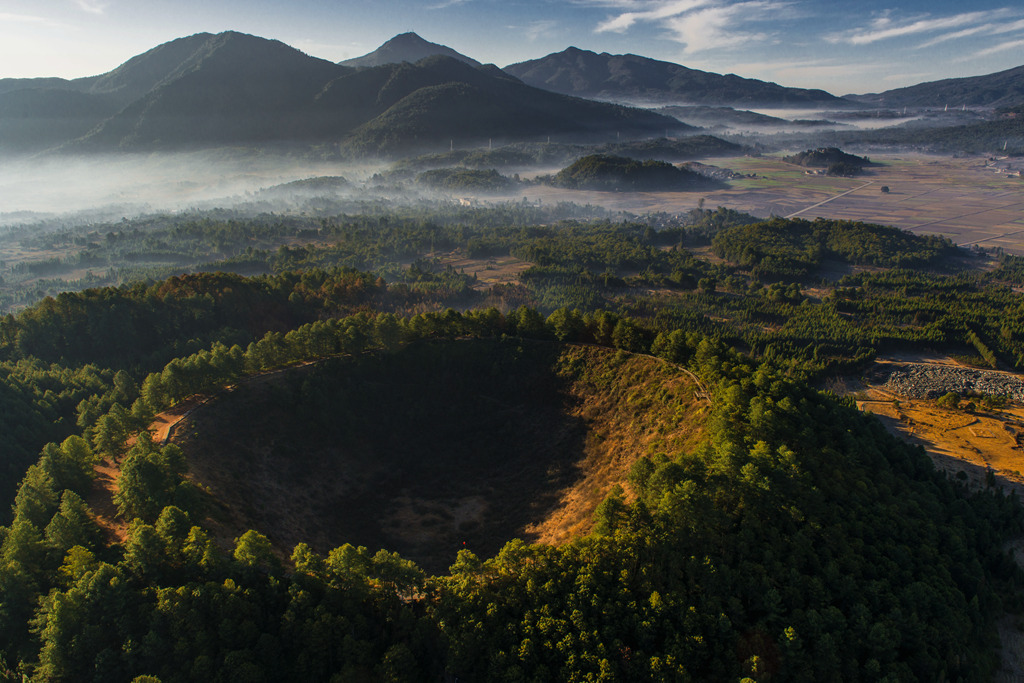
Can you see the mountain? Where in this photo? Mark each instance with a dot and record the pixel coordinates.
(140, 74)
(634, 78)
(131, 80)
(235, 88)
(200, 89)
(239, 89)
(35, 118)
(11, 84)
(406, 47)
(36, 113)
(1001, 89)
(440, 100)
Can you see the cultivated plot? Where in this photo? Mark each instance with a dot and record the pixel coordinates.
(971, 201)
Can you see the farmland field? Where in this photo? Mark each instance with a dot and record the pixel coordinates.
(965, 199)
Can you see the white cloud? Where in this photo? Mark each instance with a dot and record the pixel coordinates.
(1008, 28)
(1002, 47)
(91, 6)
(697, 24)
(542, 28)
(982, 30)
(651, 12)
(956, 35)
(448, 3)
(885, 27)
(22, 18)
(710, 27)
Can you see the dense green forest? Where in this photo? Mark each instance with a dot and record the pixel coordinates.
(466, 180)
(824, 157)
(835, 161)
(786, 249)
(799, 541)
(607, 172)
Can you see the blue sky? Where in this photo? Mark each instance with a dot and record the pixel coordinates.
(842, 47)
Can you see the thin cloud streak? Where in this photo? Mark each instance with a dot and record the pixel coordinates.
(23, 18)
(883, 28)
(448, 3)
(542, 28)
(984, 29)
(1002, 47)
(91, 6)
(956, 35)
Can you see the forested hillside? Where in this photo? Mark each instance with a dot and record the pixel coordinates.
(783, 248)
(758, 553)
(605, 172)
(792, 538)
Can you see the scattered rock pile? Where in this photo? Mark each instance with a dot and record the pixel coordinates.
(933, 381)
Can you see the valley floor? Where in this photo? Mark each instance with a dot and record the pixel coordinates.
(971, 200)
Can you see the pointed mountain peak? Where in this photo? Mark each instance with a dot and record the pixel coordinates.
(409, 38)
(406, 47)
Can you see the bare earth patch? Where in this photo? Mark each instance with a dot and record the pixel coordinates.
(497, 270)
(975, 443)
(104, 486)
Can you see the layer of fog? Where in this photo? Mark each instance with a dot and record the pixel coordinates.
(864, 120)
(106, 186)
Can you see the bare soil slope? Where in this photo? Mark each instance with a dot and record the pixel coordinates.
(438, 446)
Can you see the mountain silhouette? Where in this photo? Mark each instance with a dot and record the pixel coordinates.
(1001, 89)
(632, 78)
(406, 47)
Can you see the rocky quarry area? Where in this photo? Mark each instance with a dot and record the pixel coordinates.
(933, 381)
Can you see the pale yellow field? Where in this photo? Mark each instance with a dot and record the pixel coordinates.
(957, 441)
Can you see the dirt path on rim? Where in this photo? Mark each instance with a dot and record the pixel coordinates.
(104, 485)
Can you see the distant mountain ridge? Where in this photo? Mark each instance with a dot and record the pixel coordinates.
(406, 47)
(236, 89)
(231, 88)
(1000, 89)
(439, 99)
(634, 78)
